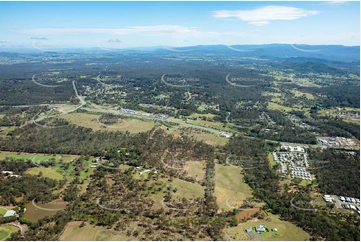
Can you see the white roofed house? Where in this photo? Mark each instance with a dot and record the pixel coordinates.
(9, 213)
(7, 172)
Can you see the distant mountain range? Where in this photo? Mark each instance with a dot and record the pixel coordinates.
(268, 51)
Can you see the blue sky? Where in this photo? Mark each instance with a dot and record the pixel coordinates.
(113, 25)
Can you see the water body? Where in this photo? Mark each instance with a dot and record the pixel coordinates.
(34, 213)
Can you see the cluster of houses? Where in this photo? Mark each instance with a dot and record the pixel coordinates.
(124, 110)
(353, 203)
(300, 172)
(292, 149)
(349, 115)
(347, 202)
(336, 141)
(296, 159)
(10, 174)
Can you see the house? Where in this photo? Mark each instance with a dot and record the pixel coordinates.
(353, 200)
(353, 207)
(15, 176)
(224, 134)
(9, 213)
(247, 230)
(348, 199)
(261, 228)
(7, 172)
(274, 230)
(145, 171)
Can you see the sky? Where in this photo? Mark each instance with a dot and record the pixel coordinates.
(117, 25)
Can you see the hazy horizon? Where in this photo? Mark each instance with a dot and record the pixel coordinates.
(48, 26)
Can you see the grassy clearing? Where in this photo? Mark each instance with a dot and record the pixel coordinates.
(300, 94)
(209, 138)
(92, 233)
(36, 157)
(276, 106)
(286, 231)
(6, 231)
(195, 169)
(184, 189)
(2, 211)
(208, 124)
(230, 187)
(187, 189)
(271, 160)
(47, 172)
(90, 121)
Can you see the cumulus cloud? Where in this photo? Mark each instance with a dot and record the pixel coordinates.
(262, 16)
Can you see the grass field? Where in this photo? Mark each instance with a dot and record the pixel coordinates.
(286, 231)
(90, 121)
(47, 172)
(184, 189)
(209, 138)
(229, 187)
(187, 189)
(6, 231)
(92, 233)
(271, 160)
(36, 157)
(299, 94)
(195, 169)
(2, 211)
(276, 106)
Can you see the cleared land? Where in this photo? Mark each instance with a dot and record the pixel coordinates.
(90, 121)
(300, 94)
(230, 189)
(195, 169)
(46, 172)
(36, 157)
(285, 230)
(91, 233)
(209, 138)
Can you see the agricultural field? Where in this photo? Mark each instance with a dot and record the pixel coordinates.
(6, 230)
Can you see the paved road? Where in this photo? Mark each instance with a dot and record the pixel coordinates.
(337, 202)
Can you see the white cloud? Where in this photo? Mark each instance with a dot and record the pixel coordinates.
(335, 2)
(38, 38)
(155, 29)
(114, 41)
(262, 16)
